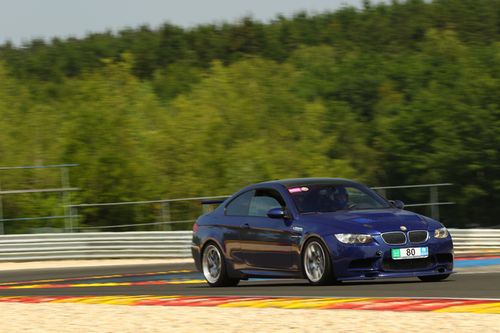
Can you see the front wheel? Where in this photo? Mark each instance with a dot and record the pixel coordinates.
(433, 278)
(214, 267)
(316, 263)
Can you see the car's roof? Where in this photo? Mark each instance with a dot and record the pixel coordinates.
(293, 182)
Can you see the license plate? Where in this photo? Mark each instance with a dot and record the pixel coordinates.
(410, 253)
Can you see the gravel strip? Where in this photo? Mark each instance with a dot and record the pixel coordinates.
(70, 318)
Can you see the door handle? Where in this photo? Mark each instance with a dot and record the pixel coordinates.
(245, 226)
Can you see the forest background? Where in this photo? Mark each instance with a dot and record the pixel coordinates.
(390, 94)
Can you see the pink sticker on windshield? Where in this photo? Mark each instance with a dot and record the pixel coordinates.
(298, 189)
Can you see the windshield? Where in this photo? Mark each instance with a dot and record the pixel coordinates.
(323, 198)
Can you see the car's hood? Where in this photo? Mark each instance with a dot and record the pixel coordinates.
(369, 221)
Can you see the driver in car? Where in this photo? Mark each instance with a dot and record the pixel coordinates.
(333, 199)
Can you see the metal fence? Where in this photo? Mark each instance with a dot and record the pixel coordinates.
(170, 244)
(64, 190)
(179, 213)
(164, 222)
(433, 203)
(166, 218)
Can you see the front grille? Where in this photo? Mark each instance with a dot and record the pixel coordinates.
(418, 236)
(407, 264)
(394, 238)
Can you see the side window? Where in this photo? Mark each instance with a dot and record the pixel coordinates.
(239, 205)
(263, 201)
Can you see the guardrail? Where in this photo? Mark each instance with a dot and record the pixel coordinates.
(166, 244)
(101, 245)
(472, 241)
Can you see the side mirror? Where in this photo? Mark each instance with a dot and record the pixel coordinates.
(276, 213)
(397, 204)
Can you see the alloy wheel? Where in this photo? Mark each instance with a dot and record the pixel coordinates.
(212, 264)
(314, 261)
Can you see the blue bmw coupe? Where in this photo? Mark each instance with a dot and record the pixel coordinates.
(323, 229)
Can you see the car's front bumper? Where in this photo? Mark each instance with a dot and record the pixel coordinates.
(371, 261)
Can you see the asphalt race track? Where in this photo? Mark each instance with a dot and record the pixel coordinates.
(182, 279)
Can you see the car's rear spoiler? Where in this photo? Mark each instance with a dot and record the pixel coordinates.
(212, 202)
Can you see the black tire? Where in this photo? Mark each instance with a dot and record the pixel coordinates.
(314, 270)
(433, 278)
(213, 266)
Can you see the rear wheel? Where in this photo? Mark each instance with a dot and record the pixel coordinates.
(433, 278)
(214, 267)
(316, 263)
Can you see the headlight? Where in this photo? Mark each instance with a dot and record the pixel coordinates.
(353, 238)
(441, 233)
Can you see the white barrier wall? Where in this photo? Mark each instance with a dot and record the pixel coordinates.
(150, 244)
(167, 244)
(476, 240)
